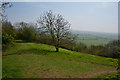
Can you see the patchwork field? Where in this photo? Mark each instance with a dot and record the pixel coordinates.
(95, 38)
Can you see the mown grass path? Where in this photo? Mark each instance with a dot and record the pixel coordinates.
(32, 60)
(99, 73)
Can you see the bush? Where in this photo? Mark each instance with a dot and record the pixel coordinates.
(6, 39)
(27, 34)
(67, 44)
(9, 29)
(80, 47)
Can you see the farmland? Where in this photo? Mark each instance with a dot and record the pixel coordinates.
(95, 38)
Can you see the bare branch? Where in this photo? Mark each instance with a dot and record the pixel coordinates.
(55, 26)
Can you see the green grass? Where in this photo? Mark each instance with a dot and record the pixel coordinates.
(107, 76)
(40, 60)
(94, 42)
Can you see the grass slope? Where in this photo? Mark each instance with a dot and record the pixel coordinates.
(40, 60)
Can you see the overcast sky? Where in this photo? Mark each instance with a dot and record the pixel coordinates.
(87, 16)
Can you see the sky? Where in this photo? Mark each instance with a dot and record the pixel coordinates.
(83, 16)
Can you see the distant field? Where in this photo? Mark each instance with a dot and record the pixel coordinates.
(94, 42)
(41, 61)
(95, 38)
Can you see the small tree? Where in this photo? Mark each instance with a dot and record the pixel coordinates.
(28, 34)
(55, 26)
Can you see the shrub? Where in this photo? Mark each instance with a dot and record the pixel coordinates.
(27, 34)
(6, 39)
(80, 47)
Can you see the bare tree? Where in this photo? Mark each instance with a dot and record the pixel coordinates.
(20, 25)
(3, 6)
(55, 26)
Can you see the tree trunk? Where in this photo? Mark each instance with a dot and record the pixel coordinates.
(57, 49)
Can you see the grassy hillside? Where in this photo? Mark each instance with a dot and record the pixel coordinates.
(40, 60)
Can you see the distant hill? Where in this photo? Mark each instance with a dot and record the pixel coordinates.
(95, 38)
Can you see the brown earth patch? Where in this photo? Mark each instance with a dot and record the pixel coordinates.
(90, 75)
(43, 74)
